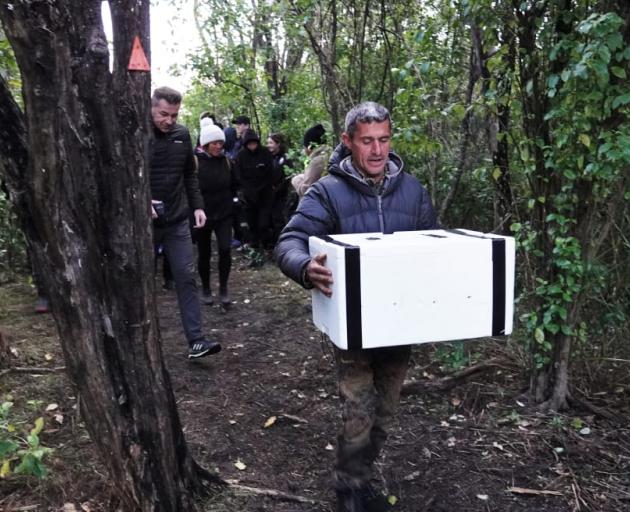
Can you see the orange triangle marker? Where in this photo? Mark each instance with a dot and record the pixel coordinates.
(138, 60)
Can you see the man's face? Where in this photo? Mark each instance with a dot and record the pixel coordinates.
(252, 145)
(164, 115)
(370, 148)
(240, 128)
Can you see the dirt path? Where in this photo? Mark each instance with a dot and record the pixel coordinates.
(478, 447)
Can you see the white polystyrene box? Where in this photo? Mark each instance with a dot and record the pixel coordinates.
(415, 287)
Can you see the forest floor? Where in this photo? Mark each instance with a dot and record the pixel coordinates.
(264, 414)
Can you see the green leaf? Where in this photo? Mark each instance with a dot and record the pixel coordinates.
(618, 72)
(539, 335)
(7, 447)
(621, 100)
(585, 139)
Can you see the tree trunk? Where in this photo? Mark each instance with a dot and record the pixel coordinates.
(504, 199)
(77, 170)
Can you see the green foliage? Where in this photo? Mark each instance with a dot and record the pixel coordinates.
(453, 356)
(20, 449)
(585, 161)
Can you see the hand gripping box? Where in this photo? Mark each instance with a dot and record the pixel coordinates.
(415, 287)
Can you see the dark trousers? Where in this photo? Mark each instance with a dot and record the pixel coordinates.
(223, 231)
(257, 207)
(178, 248)
(369, 387)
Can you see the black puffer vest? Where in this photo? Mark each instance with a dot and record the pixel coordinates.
(173, 178)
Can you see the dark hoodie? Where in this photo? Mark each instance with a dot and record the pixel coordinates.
(254, 169)
(345, 202)
(217, 183)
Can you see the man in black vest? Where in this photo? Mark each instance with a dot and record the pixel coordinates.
(174, 192)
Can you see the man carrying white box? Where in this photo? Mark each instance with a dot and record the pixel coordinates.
(365, 192)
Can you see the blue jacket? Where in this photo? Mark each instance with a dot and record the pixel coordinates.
(345, 202)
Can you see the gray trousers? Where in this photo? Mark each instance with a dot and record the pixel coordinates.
(369, 387)
(178, 248)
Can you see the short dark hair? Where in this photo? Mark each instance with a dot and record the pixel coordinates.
(171, 96)
(366, 112)
(314, 136)
(281, 140)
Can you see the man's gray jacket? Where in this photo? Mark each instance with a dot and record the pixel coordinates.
(345, 202)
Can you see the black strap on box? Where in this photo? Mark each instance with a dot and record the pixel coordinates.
(498, 279)
(352, 260)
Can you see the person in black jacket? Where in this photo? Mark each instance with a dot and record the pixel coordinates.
(367, 191)
(175, 192)
(218, 188)
(254, 171)
(277, 145)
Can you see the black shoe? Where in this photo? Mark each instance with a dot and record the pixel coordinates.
(224, 298)
(365, 499)
(349, 500)
(203, 347)
(206, 297)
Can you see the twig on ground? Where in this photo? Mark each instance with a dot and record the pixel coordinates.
(18, 369)
(523, 490)
(272, 493)
(294, 418)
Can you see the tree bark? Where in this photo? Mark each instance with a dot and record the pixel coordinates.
(76, 167)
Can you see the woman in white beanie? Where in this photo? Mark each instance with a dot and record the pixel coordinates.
(218, 187)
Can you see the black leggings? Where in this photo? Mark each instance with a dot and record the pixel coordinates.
(223, 231)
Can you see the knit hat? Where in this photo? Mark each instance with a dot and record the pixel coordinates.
(210, 132)
(314, 135)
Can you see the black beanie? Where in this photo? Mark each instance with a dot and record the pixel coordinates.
(315, 134)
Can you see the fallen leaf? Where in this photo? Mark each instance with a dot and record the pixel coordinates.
(392, 500)
(585, 431)
(270, 421)
(59, 418)
(483, 497)
(69, 507)
(329, 447)
(86, 507)
(49, 357)
(14, 351)
(246, 301)
(239, 465)
(497, 446)
(232, 422)
(52, 407)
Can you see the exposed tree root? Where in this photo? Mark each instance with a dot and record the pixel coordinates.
(447, 383)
